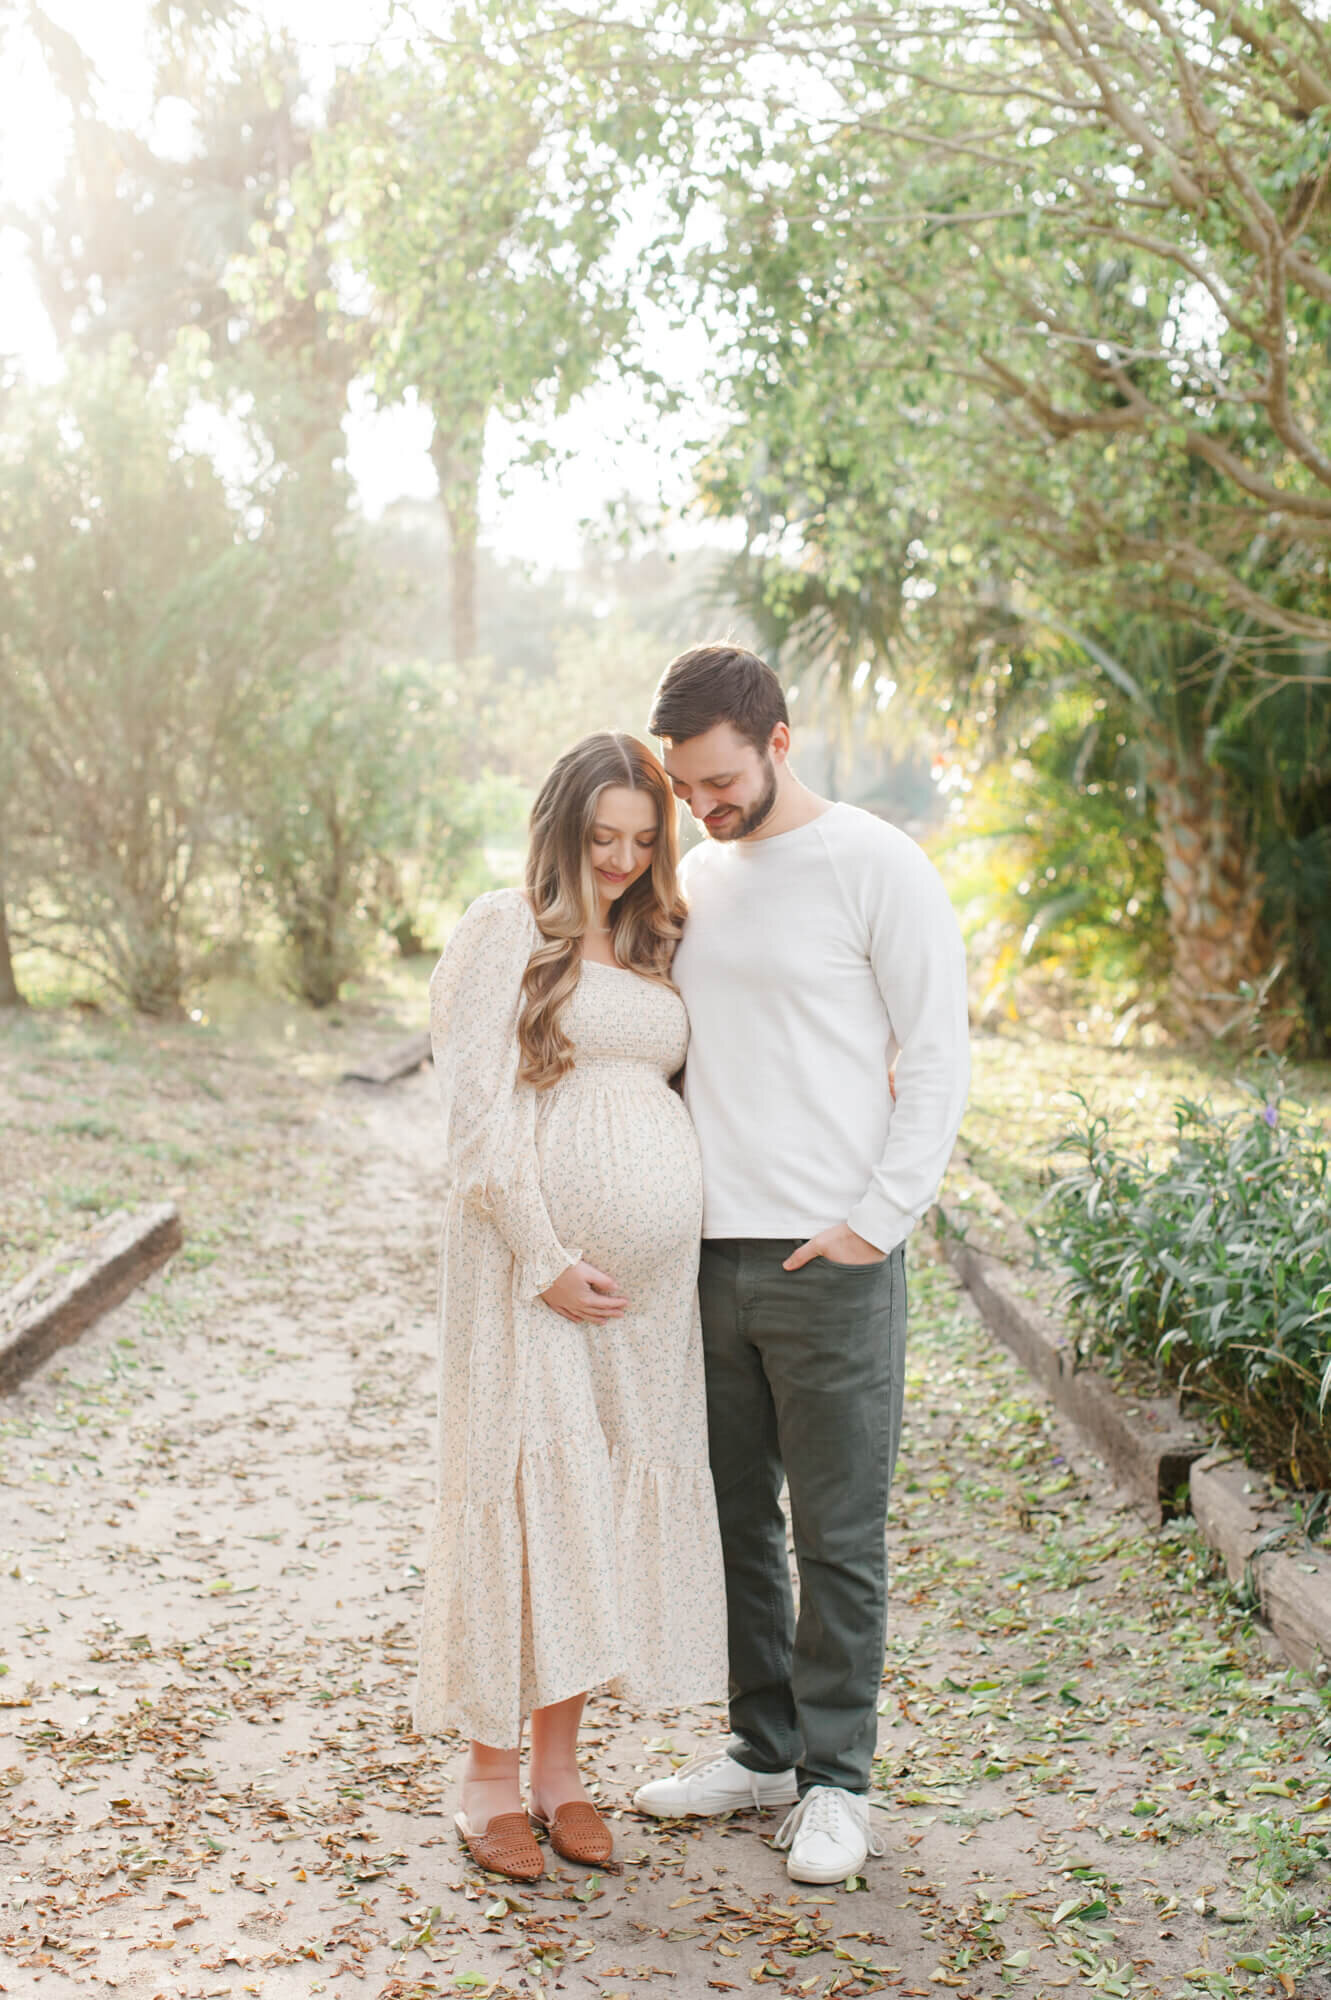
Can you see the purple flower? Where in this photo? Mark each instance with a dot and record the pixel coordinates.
(1272, 1116)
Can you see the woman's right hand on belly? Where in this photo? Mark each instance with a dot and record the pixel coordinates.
(584, 1293)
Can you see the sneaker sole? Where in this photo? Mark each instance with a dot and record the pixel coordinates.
(713, 1812)
(825, 1877)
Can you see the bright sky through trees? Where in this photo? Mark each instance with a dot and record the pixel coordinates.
(527, 516)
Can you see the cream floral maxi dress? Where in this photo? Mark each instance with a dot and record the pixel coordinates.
(575, 1541)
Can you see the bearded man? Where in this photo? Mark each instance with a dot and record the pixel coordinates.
(821, 965)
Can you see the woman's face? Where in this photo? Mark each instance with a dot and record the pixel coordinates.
(623, 839)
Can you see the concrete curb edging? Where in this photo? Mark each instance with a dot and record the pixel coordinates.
(399, 1061)
(1143, 1440)
(1147, 1445)
(76, 1284)
(1289, 1579)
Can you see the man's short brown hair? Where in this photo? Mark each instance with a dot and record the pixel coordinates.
(711, 684)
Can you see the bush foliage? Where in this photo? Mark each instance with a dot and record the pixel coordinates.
(1054, 861)
(1214, 1268)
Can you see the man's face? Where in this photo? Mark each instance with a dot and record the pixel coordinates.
(728, 785)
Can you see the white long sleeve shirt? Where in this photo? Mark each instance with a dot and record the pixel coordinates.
(808, 961)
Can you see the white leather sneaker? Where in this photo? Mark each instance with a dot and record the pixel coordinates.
(828, 1835)
(709, 1783)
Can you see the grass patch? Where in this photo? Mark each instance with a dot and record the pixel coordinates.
(116, 1111)
(1026, 1089)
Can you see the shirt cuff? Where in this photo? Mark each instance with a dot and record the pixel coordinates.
(881, 1222)
(532, 1276)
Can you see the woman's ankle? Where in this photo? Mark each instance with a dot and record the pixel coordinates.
(491, 1785)
(555, 1778)
(554, 1785)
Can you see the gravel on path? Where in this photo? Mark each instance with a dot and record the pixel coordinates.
(1094, 1775)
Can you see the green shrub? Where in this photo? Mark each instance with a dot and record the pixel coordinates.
(1055, 866)
(1213, 1269)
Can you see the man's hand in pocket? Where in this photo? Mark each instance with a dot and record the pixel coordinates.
(839, 1244)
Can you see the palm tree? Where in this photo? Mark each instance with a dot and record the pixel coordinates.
(1233, 743)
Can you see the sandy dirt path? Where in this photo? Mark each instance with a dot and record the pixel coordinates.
(1094, 1777)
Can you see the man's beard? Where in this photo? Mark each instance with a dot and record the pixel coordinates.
(749, 822)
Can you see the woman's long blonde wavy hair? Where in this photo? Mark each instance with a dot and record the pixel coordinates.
(646, 921)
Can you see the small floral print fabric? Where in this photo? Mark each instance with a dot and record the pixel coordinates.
(574, 1542)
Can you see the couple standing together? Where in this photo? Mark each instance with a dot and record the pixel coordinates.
(617, 1411)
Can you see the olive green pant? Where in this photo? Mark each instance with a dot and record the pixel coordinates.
(806, 1377)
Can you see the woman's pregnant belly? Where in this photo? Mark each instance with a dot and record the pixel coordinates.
(621, 1174)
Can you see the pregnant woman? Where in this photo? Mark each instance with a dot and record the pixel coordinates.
(575, 1543)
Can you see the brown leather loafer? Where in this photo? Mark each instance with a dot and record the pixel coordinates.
(578, 1833)
(506, 1847)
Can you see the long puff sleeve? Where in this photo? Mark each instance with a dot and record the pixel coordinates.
(489, 1115)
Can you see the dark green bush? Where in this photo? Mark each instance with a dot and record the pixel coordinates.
(1213, 1269)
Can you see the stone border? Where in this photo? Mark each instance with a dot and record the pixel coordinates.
(76, 1284)
(400, 1061)
(1147, 1444)
(1144, 1441)
(1287, 1577)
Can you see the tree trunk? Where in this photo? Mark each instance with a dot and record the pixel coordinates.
(9, 993)
(462, 591)
(458, 455)
(1222, 960)
(154, 976)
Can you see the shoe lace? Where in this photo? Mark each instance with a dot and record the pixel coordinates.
(705, 1763)
(823, 1809)
(701, 1761)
